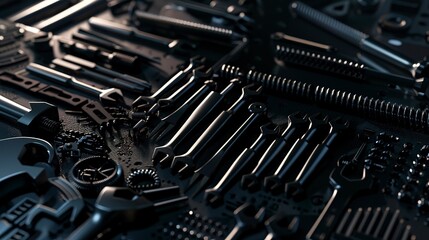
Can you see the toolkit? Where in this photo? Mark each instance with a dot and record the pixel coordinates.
(219, 119)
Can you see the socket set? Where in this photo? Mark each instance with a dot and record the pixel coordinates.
(221, 119)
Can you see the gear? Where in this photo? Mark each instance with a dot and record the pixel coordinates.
(92, 174)
(143, 179)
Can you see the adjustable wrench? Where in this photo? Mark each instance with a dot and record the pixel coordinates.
(109, 95)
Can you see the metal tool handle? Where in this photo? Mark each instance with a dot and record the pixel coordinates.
(337, 28)
(11, 109)
(62, 78)
(89, 229)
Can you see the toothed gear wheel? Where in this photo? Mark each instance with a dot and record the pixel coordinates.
(90, 175)
(143, 179)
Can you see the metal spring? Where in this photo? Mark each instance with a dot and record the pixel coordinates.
(49, 125)
(319, 61)
(372, 108)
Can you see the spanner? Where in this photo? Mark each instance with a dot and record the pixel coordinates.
(164, 154)
(338, 126)
(297, 123)
(224, 118)
(300, 150)
(344, 190)
(247, 220)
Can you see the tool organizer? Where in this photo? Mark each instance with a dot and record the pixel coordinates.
(214, 119)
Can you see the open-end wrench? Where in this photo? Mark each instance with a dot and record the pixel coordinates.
(297, 123)
(248, 218)
(215, 195)
(281, 226)
(110, 95)
(346, 186)
(164, 154)
(300, 150)
(197, 77)
(146, 102)
(121, 205)
(169, 122)
(247, 93)
(295, 188)
(205, 172)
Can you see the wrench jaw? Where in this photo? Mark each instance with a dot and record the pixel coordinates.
(274, 184)
(112, 96)
(163, 156)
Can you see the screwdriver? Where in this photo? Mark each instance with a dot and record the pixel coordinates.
(115, 82)
(97, 68)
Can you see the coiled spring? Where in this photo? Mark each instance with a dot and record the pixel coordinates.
(372, 108)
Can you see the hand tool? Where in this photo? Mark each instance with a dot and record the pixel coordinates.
(119, 205)
(166, 124)
(110, 95)
(115, 82)
(340, 67)
(358, 39)
(115, 59)
(166, 102)
(297, 123)
(164, 154)
(183, 27)
(247, 220)
(143, 179)
(223, 119)
(215, 194)
(40, 11)
(283, 37)
(380, 110)
(337, 128)
(76, 13)
(203, 174)
(132, 32)
(105, 71)
(301, 149)
(41, 120)
(346, 186)
(281, 226)
(94, 110)
(92, 37)
(146, 102)
(241, 20)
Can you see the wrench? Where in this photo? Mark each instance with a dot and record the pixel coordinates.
(164, 154)
(247, 220)
(218, 124)
(344, 190)
(215, 195)
(109, 95)
(121, 204)
(205, 172)
(145, 102)
(300, 150)
(169, 122)
(296, 125)
(295, 188)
